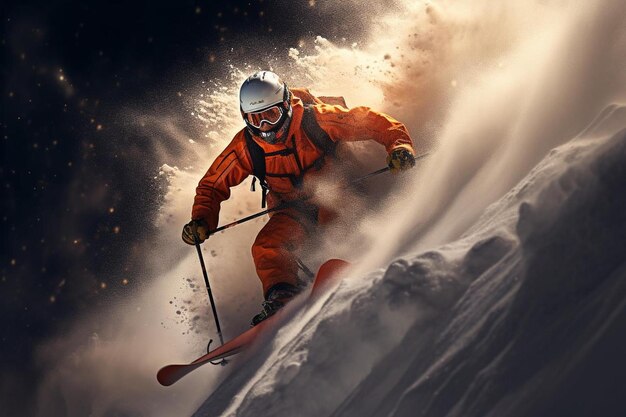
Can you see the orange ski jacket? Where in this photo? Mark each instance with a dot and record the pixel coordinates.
(295, 156)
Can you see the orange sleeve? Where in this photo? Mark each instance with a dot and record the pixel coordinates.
(229, 169)
(363, 123)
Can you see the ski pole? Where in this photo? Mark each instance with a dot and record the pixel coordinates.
(211, 300)
(286, 205)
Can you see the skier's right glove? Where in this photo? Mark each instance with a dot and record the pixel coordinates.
(198, 228)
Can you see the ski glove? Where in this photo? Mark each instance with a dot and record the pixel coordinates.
(199, 228)
(400, 159)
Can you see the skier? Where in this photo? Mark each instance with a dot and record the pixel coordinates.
(288, 138)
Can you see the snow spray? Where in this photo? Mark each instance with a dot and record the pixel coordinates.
(488, 87)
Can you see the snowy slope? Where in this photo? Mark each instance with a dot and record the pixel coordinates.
(522, 316)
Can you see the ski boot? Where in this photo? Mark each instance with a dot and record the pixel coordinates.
(277, 297)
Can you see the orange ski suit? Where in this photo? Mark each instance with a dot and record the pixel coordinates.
(287, 229)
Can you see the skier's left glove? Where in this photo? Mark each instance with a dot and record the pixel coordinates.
(199, 228)
(400, 159)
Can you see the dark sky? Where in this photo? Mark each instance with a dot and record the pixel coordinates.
(78, 196)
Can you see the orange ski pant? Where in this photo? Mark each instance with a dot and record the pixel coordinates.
(274, 247)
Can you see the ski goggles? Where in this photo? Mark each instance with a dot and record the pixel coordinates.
(270, 116)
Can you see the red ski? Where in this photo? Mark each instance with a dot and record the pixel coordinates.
(323, 280)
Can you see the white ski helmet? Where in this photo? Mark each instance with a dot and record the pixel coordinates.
(265, 104)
